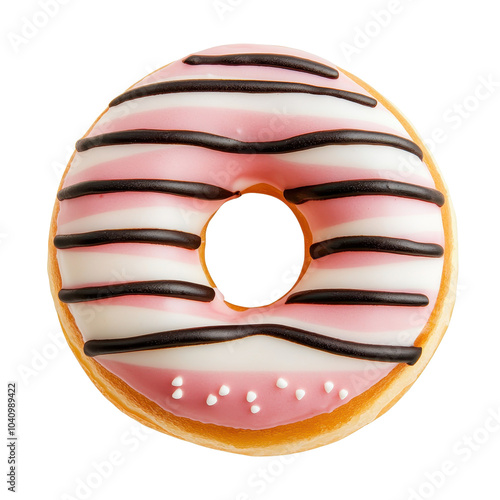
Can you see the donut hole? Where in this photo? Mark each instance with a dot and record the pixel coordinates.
(254, 250)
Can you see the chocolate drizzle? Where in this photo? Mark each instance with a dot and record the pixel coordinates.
(374, 244)
(366, 187)
(224, 333)
(274, 60)
(358, 298)
(229, 145)
(239, 86)
(176, 289)
(179, 188)
(155, 236)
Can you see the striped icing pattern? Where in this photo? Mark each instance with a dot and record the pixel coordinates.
(159, 163)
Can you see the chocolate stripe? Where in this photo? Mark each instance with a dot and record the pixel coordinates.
(239, 86)
(364, 187)
(374, 244)
(274, 60)
(156, 236)
(177, 289)
(358, 298)
(179, 188)
(228, 145)
(225, 333)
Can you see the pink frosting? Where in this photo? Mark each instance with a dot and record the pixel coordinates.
(276, 406)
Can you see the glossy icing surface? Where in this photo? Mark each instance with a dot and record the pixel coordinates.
(166, 155)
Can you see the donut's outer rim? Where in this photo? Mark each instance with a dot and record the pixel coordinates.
(306, 434)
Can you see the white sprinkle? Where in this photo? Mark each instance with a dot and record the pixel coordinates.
(251, 396)
(328, 387)
(281, 383)
(255, 409)
(177, 382)
(343, 394)
(300, 393)
(177, 394)
(224, 390)
(211, 400)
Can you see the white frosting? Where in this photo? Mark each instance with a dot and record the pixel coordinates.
(99, 320)
(423, 275)
(280, 105)
(93, 157)
(87, 268)
(382, 159)
(391, 226)
(143, 217)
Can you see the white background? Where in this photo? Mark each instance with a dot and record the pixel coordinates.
(430, 58)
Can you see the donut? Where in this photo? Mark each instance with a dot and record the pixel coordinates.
(127, 267)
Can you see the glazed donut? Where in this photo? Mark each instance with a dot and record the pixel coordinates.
(126, 252)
